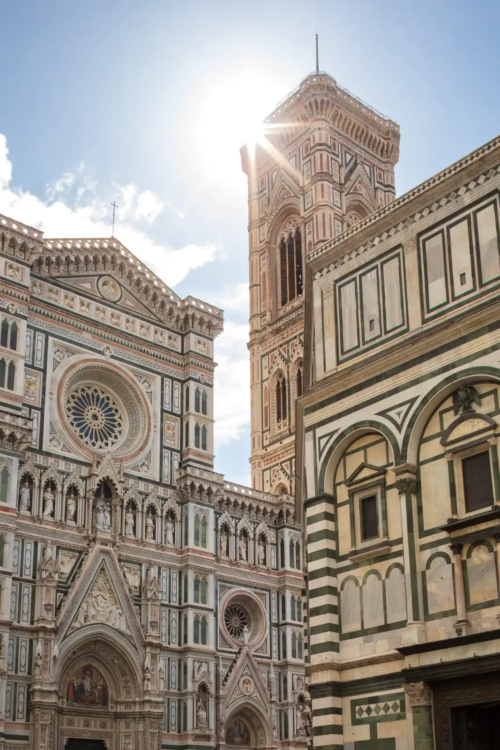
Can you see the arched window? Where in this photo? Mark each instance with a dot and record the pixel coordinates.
(11, 376)
(281, 410)
(285, 725)
(197, 435)
(204, 532)
(13, 336)
(294, 645)
(204, 403)
(197, 589)
(184, 716)
(300, 642)
(293, 608)
(197, 529)
(282, 553)
(186, 399)
(197, 400)
(3, 369)
(297, 555)
(4, 336)
(292, 555)
(266, 408)
(283, 607)
(291, 267)
(283, 644)
(4, 485)
(299, 608)
(204, 629)
(186, 590)
(186, 434)
(204, 436)
(2, 550)
(204, 590)
(196, 632)
(186, 530)
(185, 629)
(285, 687)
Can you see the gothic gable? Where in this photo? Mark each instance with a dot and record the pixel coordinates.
(358, 187)
(100, 597)
(245, 685)
(108, 288)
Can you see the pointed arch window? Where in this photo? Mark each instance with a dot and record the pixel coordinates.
(204, 590)
(197, 435)
(186, 404)
(204, 403)
(292, 555)
(283, 607)
(204, 438)
(282, 553)
(4, 335)
(186, 434)
(197, 589)
(4, 485)
(283, 644)
(197, 400)
(294, 645)
(197, 529)
(184, 675)
(3, 370)
(292, 601)
(11, 376)
(13, 336)
(299, 381)
(204, 532)
(281, 410)
(204, 630)
(290, 251)
(299, 608)
(196, 631)
(300, 646)
(185, 630)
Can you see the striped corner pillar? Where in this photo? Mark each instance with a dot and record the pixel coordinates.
(323, 623)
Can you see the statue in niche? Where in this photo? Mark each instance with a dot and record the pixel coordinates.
(150, 528)
(246, 635)
(261, 552)
(223, 542)
(243, 548)
(103, 515)
(201, 715)
(147, 679)
(170, 530)
(70, 508)
(24, 498)
(129, 524)
(48, 503)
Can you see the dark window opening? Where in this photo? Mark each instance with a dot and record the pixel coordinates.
(478, 487)
(369, 517)
(290, 250)
(463, 279)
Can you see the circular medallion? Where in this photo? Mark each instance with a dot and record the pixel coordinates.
(109, 288)
(244, 619)
(246, 685)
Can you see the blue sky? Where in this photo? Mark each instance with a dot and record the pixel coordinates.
(147, 103)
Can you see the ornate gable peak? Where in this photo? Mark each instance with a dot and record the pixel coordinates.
(106, 469)
(245, 684)
(100, 598)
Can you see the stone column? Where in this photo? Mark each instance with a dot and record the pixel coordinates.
(406, 484)
(419, 696)
(462, 622)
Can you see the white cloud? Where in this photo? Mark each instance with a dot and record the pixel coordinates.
(73, 208)
(232, 383)
(233, 298)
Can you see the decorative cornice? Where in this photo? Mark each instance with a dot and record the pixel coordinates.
(404, 200)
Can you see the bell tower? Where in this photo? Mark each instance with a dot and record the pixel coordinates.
(326, 161)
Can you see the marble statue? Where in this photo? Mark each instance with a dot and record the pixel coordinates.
(70, 509)
(150, 528)
(48, 504)
(147, 679)
(170, 531)
(246, 635)
(129, 524)
(242, 545)
(223, 542)
(103, 515)
(201, 715)
(261, 552)
(24, 498)
(101, 606)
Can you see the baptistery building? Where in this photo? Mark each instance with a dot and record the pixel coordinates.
(145, 602)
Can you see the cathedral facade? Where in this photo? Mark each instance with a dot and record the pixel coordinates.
(145, 602)
(326, 162)
(398, 447)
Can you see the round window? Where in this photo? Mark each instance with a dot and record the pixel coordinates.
(236, 620)
(95, 416)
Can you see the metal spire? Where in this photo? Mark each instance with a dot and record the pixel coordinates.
(317, 54)
(114, 209)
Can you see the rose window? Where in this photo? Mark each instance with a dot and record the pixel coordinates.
(235, 620)
(95, 416)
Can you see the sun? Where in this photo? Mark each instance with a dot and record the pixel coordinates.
(231, 115)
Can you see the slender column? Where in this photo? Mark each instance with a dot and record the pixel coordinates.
(419, 696)
(459, 588)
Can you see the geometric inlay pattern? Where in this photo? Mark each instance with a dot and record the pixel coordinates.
(377, 708)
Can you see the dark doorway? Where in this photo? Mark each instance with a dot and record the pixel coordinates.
(474, 727)
(85, 745)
